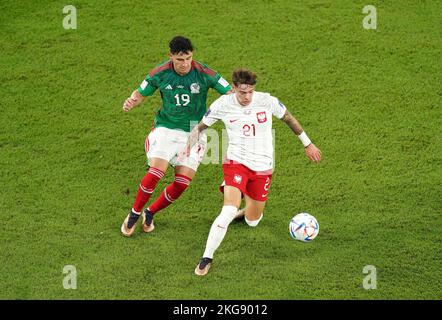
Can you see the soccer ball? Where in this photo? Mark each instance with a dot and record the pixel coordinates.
(304, 227)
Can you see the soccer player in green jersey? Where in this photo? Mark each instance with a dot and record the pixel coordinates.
(183, 84)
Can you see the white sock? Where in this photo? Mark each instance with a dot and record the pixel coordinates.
(253, 223)
(219, 230)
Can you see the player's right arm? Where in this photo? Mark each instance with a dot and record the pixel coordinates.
(134, 100)
(146, 88)
(195, 133)
(212, 115)
(194, 137)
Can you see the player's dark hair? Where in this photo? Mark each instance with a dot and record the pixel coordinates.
(180, 44)
(243, 76)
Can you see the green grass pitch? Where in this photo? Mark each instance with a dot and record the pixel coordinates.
(71, 159)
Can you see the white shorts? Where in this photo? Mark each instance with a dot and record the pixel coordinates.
(165, 143)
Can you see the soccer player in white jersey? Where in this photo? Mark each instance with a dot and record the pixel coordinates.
(247, 115)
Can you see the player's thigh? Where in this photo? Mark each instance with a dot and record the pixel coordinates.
(258, 186)
(159, 163)
(254, 208)
(185, 171)
(232, 196)
(196, 155)
(161, 143)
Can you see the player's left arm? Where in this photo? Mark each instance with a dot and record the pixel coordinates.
(221, 85)
(311, 150)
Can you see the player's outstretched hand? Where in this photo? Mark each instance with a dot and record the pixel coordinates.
(313, 153)
(184, 153)
(129, 104)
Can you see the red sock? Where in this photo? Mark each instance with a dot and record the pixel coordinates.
(171, 193)
(146, 188)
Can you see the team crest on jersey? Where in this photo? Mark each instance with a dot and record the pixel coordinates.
(237, 178)
(194, 88)
(261, 116)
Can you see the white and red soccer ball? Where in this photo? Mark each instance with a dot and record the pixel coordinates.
(304, 227)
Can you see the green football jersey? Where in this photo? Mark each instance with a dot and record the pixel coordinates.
(183, 97)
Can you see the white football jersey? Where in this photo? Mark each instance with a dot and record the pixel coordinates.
(249, 128)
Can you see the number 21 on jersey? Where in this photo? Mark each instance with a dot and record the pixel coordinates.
(249, 130)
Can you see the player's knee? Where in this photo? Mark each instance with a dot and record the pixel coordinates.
(226, 216)
(253, 223)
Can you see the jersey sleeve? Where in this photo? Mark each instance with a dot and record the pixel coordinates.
(214, 79)
(213, 114)
(276, 107)
(148, 86)
(220, 84)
